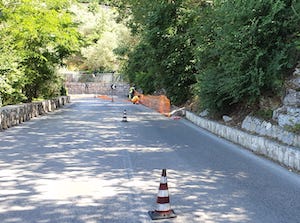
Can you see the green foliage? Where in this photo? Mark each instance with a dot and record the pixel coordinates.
(243, 50)
(295, 129)
(239, 49)
(226, 53)
(265, 114)
(136, 69)
(164, 55)
(11, 73)
(102, 34)
(42, 34)
(146, 82)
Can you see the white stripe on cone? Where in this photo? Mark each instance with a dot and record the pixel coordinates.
(163, 207)
(163, 180)
(163, 193)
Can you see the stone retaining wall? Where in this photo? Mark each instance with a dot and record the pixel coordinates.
(99, 88)
(15, 114)
(289, 113)
(264, 128)
(284, 154)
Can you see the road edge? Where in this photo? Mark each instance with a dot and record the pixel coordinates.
(285, 155)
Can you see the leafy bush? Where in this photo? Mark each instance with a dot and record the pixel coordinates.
(12, 75)
(265, 114)
(295, 129)
(164, 55)
(243, 49)
(39, 36)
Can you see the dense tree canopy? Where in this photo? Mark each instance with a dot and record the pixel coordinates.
(40, 34)
(222, 53)
(244, 49)
(102, 35)
(163, 58)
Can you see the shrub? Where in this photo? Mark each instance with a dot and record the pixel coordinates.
(243, 49)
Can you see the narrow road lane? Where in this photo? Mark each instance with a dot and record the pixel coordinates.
(83, 165)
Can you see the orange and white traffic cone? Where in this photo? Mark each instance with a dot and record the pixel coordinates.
(163, 210)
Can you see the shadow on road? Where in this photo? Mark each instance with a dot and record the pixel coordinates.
(82, 164)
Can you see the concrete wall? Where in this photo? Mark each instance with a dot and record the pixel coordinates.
(15, 114)
(284, 154)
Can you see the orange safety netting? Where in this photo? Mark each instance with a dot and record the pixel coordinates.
(159, 103)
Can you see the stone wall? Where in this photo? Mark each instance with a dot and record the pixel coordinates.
(284, 154)
(15, 114)
(289, 113)
(99, 88)
(264, 128)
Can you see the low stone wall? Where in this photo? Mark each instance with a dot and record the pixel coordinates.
(15, 114)
(264, 128)
(289, 113)
(284, 154)
(99, 88)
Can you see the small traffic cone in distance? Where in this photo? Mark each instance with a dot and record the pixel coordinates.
(163, 210)
(124, 116)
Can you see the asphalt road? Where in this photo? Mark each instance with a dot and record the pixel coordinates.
(83, 165)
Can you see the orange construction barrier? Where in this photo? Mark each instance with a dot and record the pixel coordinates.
(159, 103)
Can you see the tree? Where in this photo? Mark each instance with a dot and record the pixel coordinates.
(103, 35)
(11, 73)
(43, 34)
(239, 50)
(165, 48)
(244, 48)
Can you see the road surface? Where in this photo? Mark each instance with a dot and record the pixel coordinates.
(81, 164)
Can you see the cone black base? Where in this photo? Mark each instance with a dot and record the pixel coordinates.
(155, 215)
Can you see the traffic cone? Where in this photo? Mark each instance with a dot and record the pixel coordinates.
(124, 116)
(163, 210)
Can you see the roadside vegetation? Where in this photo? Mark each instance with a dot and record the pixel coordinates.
(224, 55)
(35, 37)
(218, 55)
